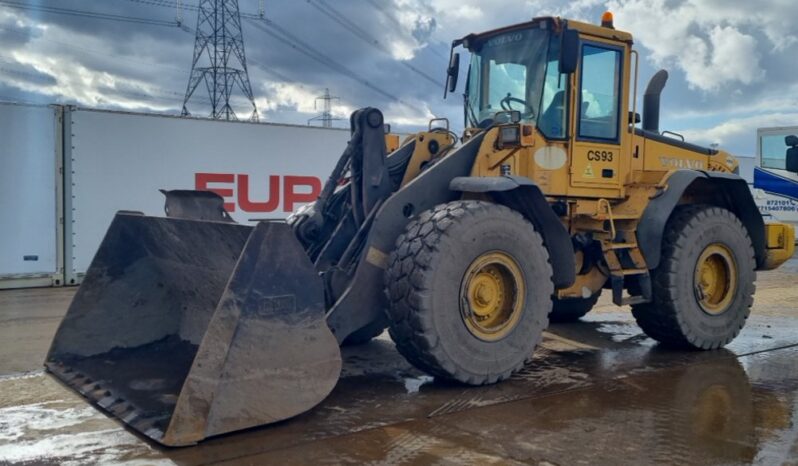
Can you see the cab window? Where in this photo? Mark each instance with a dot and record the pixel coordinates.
(599, 96)
(506, 79)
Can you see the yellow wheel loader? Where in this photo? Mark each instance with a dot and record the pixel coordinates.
(463, 246)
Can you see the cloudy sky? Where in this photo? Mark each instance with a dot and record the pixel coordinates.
(732, 62)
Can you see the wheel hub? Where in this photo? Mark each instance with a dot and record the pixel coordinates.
(715, 279)
(492, 295)
(486, 292)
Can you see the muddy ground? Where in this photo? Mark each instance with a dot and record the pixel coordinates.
(597, 392)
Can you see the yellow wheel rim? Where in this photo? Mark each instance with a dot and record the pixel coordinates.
(492, 295)
(715, 279)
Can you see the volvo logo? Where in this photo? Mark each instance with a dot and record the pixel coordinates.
(675, 162)
(505, 39)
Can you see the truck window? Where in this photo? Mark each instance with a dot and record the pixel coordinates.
(773, 152)
(600, 92)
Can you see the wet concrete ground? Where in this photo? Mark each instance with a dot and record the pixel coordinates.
(598, 392)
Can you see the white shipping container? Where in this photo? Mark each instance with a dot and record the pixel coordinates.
(118, 161)
(746, 169)
(30, 157)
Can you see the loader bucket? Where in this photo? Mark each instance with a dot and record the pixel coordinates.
(184, 329)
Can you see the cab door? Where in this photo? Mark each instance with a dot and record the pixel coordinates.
(596, 143)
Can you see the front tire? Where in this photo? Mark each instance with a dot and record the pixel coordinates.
(470, 287)
(703, 288)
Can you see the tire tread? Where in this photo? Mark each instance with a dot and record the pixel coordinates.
(409, 270)
(661, 319)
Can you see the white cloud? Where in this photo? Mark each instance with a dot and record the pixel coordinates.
(715, 42)
(294, 96)
(726, 56)
(70, 79)
(412, 113)
(457, 18)
(83, 85)
(740, 132)
(733, 53)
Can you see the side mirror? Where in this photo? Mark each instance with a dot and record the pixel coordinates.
(569, 51)
(791, 163)
(453, 72)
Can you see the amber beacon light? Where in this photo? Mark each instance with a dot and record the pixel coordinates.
(606, 20)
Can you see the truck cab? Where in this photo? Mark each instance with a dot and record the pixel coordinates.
(775, 175)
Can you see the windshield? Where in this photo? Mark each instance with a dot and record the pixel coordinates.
(517, 70)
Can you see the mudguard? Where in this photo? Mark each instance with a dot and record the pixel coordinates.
(735, 196)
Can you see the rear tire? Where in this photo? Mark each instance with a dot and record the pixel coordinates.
(470, 287)
(572, 309)
(703, 288)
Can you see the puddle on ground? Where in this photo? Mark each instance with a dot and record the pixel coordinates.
(63, 429)
(604, 395)
(16, 421)
(112, 446)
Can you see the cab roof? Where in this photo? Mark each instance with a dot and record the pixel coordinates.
(557, 23)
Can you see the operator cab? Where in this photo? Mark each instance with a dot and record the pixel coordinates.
(517, 69)
(534, 72)
(525, 68)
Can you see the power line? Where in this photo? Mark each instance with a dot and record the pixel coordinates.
(398, 24)
(86, 14)
(125, 93)
(170, 4)
(364, 35)
(86, 50)
(179, 4)
(192, 31)
(261, 66)
(286, 37)
(281, 34)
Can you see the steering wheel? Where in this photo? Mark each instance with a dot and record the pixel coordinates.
(509, 99)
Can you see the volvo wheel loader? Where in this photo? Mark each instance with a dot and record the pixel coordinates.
(463, 246)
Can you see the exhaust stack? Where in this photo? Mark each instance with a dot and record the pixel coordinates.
(651, 101)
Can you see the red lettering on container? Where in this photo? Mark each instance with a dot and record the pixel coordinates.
(296, 190)
(291, 196)
(270, 205)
